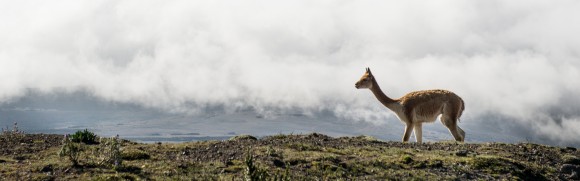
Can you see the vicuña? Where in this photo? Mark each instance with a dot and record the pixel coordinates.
(420, 107)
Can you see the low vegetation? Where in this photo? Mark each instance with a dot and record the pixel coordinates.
(85, 136)
(280, 157)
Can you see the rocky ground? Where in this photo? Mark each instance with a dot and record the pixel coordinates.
(288, 157)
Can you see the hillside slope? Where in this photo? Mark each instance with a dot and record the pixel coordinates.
(288, 157)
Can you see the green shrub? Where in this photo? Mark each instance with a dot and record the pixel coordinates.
(84, 136)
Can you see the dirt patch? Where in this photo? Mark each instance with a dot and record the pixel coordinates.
(15, 144)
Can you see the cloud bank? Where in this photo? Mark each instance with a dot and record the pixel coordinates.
(516, 60)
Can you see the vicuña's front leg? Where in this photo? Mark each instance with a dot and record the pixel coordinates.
(408, 130)
(418, 132)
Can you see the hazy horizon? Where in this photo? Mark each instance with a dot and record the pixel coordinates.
(262, 67)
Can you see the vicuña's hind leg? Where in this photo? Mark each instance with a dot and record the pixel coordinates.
(453, 128)
(408, 130)
(417, 128)
(462, 133)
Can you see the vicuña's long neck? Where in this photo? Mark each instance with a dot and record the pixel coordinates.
(382, 97)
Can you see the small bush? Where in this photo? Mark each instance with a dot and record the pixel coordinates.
(111, 152)
(15, 132)
(70, 150)
(84, 136)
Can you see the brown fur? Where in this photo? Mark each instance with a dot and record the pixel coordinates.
(418, 107)
(427, 102)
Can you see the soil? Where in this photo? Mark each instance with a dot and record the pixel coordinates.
(19, 144)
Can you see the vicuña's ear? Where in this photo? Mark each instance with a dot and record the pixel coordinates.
(369, 70)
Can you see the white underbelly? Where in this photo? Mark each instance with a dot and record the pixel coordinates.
(426, 119)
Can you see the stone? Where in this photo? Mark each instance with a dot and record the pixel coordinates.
(461, 153)
(569, 168)
(278, 163)
(47, 168)
(573, 176)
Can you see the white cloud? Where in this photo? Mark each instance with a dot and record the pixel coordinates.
(517, 58)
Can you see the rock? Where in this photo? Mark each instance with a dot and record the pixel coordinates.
(182, 166)
(569, 168)
(574, 176)
(229, 163)
(278, 163)
(47, 168)
(461, 153)
(571, 148)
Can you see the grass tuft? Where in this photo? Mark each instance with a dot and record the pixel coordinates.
(135, 155)
(406, 159)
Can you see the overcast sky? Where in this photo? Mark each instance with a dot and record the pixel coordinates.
(515, 61)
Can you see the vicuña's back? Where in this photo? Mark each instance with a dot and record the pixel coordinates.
(428, 103)
(418, 107)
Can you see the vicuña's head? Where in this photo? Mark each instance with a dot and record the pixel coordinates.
(366, 81)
